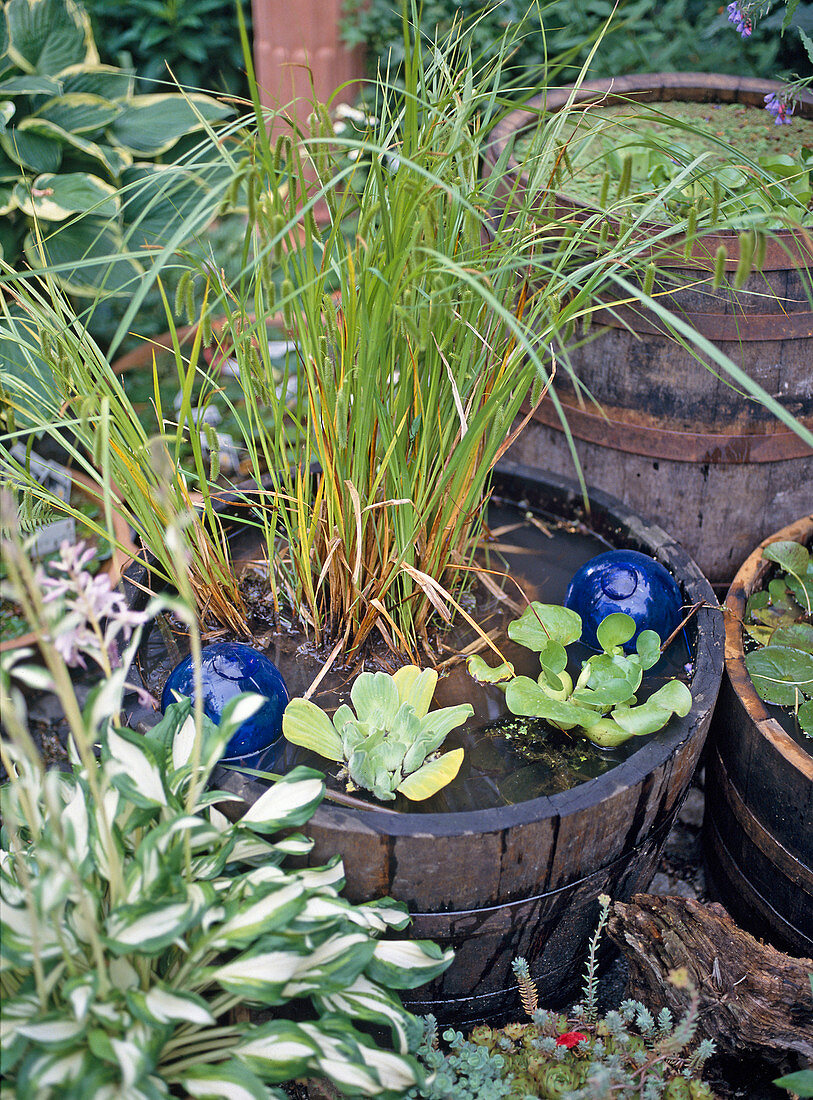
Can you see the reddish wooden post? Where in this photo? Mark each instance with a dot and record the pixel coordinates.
(298, 53)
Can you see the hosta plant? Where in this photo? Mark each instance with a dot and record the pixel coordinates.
(780, 620)
(80, 186)
(602, 703)
(136, 917)
(389, 745)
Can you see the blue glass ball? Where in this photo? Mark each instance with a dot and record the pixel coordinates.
(227, 669)
(625, 580)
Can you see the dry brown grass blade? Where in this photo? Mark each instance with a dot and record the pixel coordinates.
(427, 582)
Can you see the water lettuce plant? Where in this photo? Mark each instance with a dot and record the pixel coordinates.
(602, 703)
(80, 187)
(780, 619)
(389, 745)
(137, 917)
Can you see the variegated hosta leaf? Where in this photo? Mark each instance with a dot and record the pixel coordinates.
(15, 937)
(223, 1081)
(260, 915)
(327, 879)
(332, 965)
(42, 1071)
(150, 927)
(325, 911)
(260, 975)
(134, 768)
(278, 1051)
(52, 1032)
(290, 802)
(406, 964)
(76, 826)
(162, 1005)
(340, 1058)
(365, 1000)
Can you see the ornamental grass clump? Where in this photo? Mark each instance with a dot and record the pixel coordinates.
(137, 917)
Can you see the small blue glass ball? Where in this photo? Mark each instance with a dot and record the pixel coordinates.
(227, 669)
(625, 580)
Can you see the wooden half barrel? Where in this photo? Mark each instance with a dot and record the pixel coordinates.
(523, 879)
(668, 436)
(758, 824)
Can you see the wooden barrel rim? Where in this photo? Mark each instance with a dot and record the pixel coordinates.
(749, 576)
(669, 444)
(651, 755)
(783, 246)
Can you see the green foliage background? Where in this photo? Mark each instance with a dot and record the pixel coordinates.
(650, 35)
(197, 40)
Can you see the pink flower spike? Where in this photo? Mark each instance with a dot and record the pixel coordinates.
(570, 1039)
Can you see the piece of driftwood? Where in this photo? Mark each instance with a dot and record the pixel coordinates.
(752, 999)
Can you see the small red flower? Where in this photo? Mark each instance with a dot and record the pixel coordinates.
(570, 1039)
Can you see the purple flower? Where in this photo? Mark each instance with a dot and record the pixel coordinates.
(780, 108)
(738, 15)
(88, 614)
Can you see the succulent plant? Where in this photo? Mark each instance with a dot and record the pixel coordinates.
(389, 744)
(602, 703)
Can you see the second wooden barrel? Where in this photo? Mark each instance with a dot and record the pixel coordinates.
(758, 826)
(680, 443)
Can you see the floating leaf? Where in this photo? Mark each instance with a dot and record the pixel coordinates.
(416, 687)
(541, 623)
(791, 556)
(485, 674)
(648, 646)
(306, 724)
(797, 635)
(430, 777)
(780, 674)
(525, 697)
(615, 630)
(805, 717)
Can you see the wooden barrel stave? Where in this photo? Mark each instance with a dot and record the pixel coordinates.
(758, 827)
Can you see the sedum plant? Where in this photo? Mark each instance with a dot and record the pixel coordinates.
(137, 917)
(780, 620)
(602, 703)
(389, 745)
(80, 186)
(627, 1054)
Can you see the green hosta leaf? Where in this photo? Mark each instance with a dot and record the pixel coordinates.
(542, 623)
(797, 635)
(407, 964)
(25, 146)
(306, 724)
(151, 124)
(157, 199)
(223, 1081)
(278, 1051)
(648, 647)
(31, 85)
(615, 630)
(258, 916)
(105, 81)
(290, 802)
(54, 198)
(429, 778)
(416, 687)
(86, 253)
(70, 142)
(672, 698)
(136, 772)
(47, 36)
(525, 697)
(484, 674)
(80, 112)
(804, 717)
(375, 698)
(780, 674)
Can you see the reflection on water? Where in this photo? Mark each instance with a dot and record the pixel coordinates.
(507, 759)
